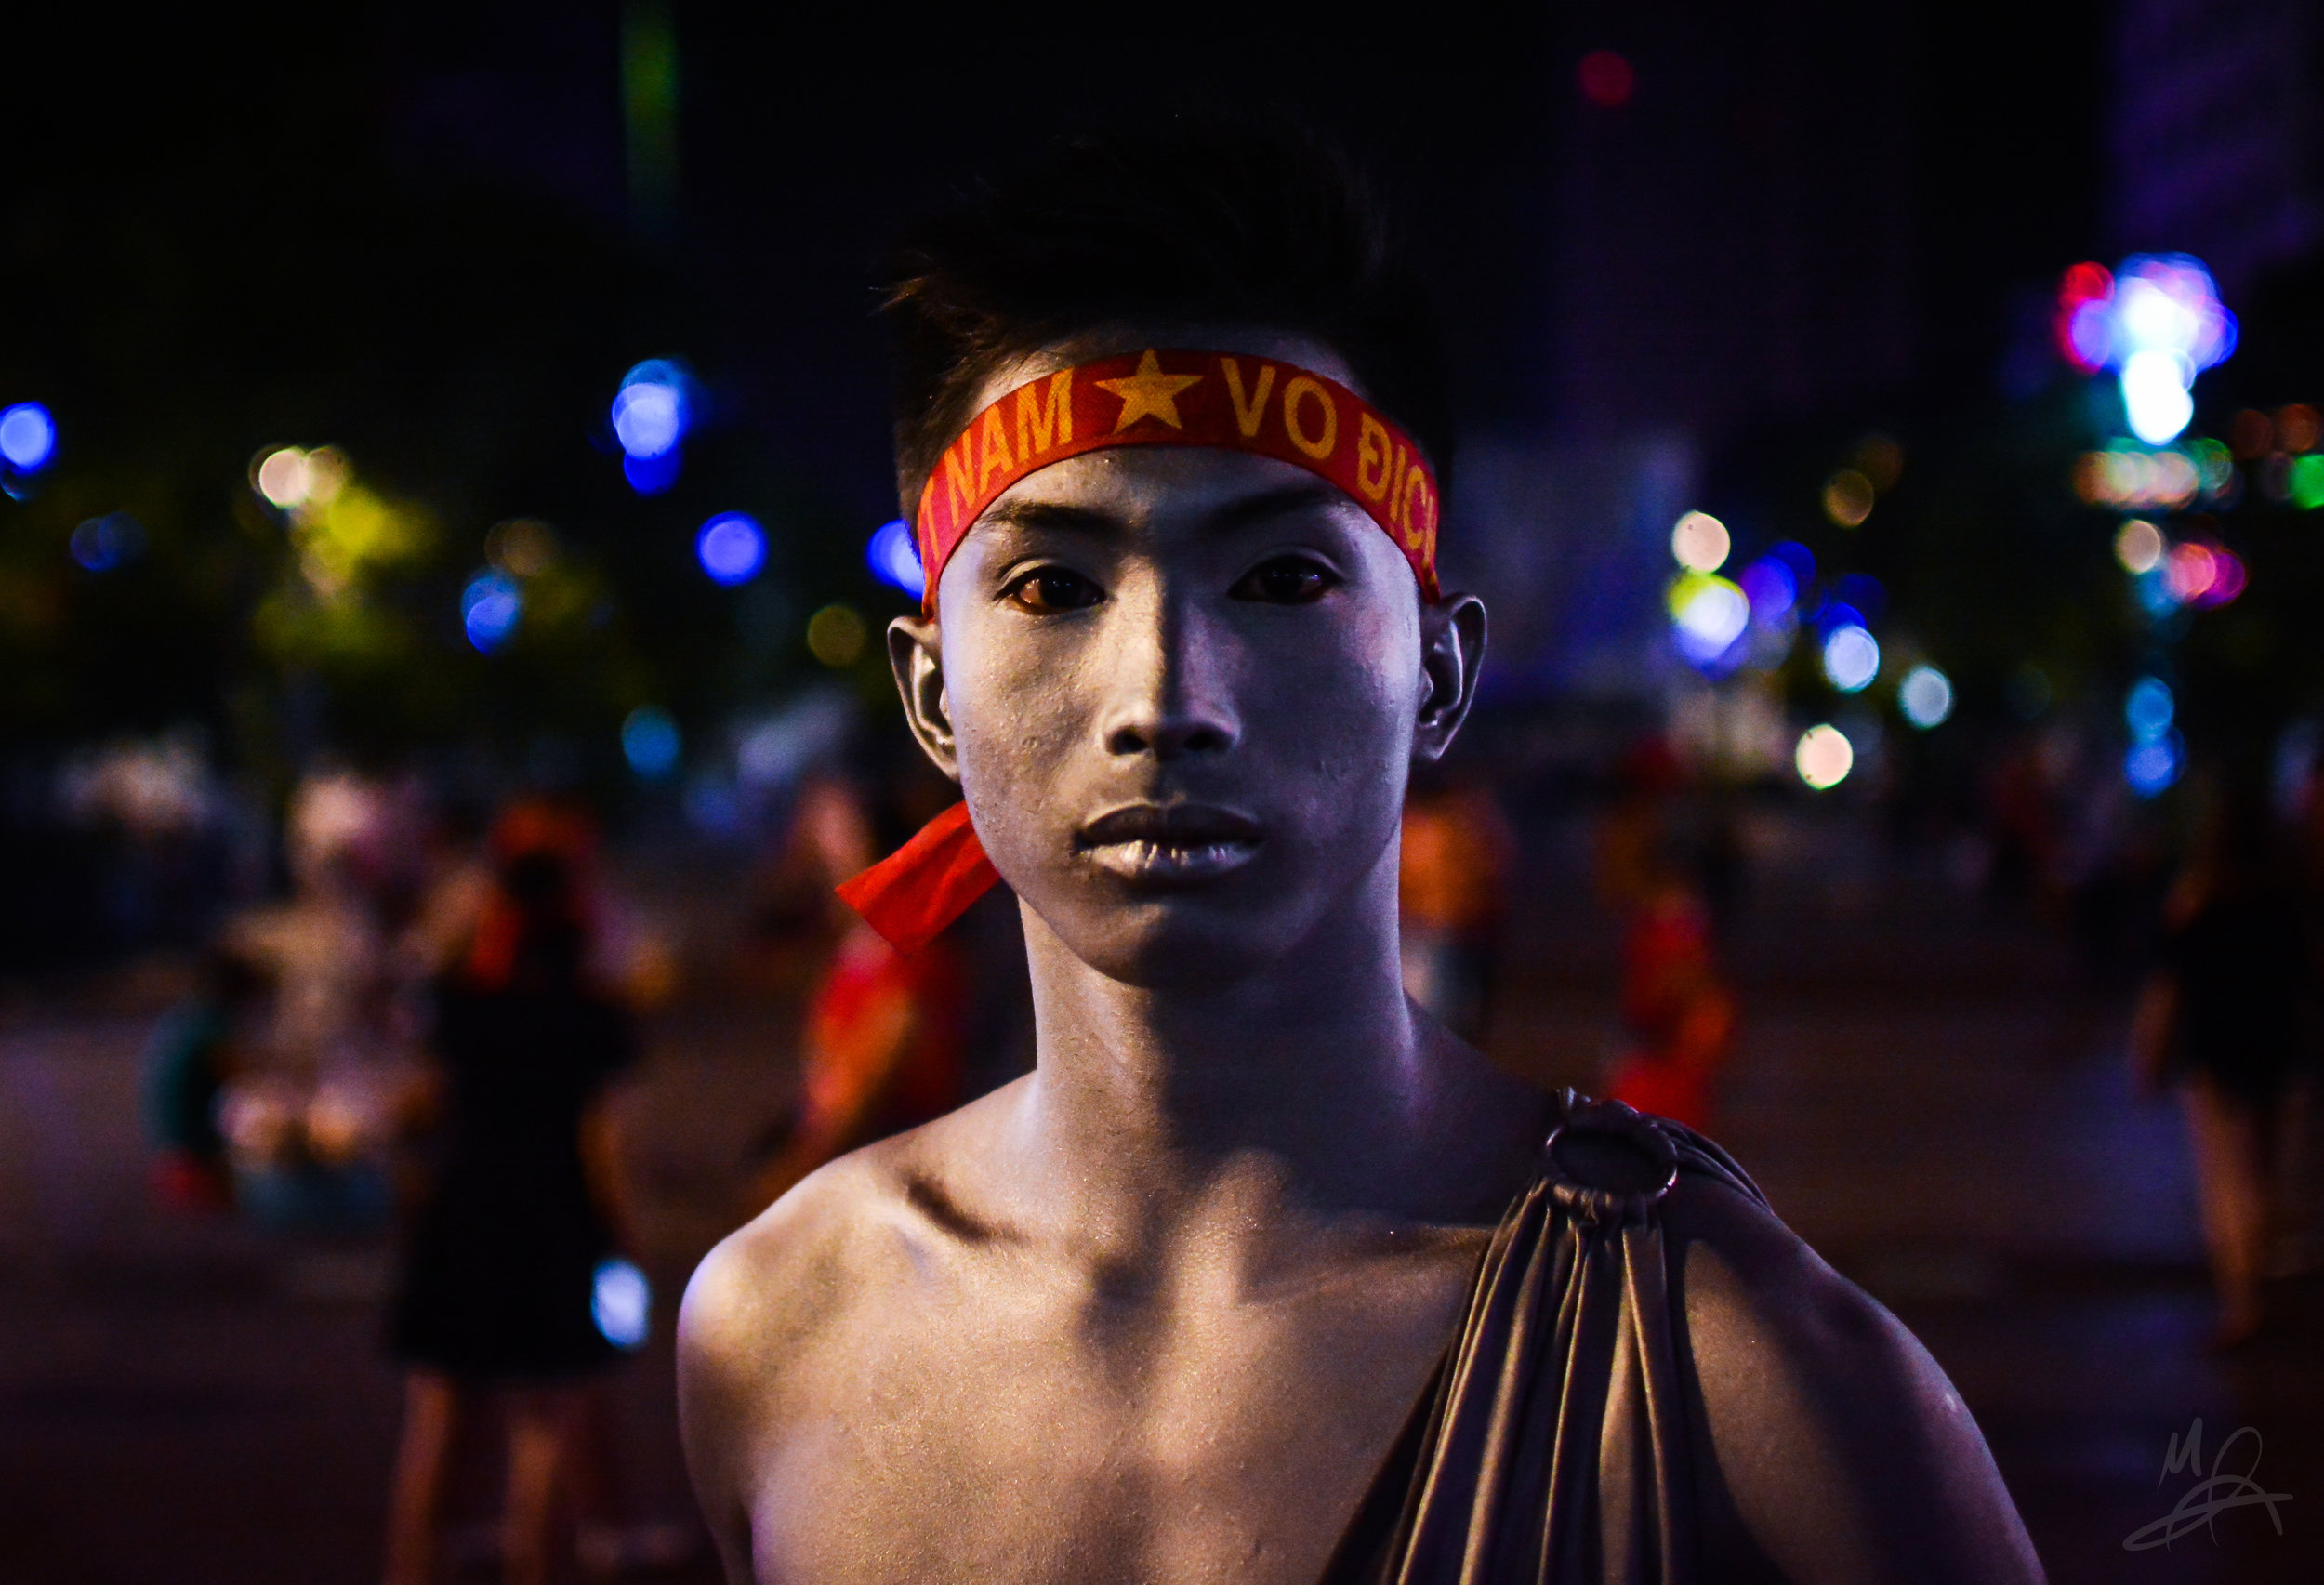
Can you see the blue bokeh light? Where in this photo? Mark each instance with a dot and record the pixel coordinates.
(1798, 558)
(1771, 586)
(650, 742)
(101, 544)
(648, 419)
(1708, 615)
(490, 606)
(895, 558)
(28, 437)
(732, 547)
(651, 475)
(1832, 614)
(1863, 592)
(2148, 709)
(1926, 697)
(2152, 767)
(621, 1302)
(1852, 658)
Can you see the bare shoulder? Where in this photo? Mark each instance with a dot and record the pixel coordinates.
(1836, 1448)
(767, 1305)
(755, 1305)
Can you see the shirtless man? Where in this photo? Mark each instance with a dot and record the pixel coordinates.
(1173, 1307)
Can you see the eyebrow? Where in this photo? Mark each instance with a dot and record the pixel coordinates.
(1244, 512)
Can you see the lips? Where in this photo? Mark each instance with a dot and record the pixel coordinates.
(1170, 842)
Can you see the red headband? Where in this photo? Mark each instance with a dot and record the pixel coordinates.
(1183, 399)
(1224, 399)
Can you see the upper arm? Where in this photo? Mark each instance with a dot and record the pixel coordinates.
(758, 1316)
(1833, 1445)
(714, 1395)
(753, 1310)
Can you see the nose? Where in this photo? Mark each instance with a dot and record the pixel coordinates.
(1167, 681)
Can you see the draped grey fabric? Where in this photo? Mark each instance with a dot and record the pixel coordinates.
(1550, 1447)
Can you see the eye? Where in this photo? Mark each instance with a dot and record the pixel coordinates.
(1047, 591)
(1287, 580)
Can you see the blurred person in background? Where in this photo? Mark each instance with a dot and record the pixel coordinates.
(2228, 1020)
(309, 1116)
(881, 1048)
(500, 1288)
(1676, 1007)
(1452, 897)
(194, 1053)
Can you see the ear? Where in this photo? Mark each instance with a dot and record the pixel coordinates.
(1452, 656)
(916, 654)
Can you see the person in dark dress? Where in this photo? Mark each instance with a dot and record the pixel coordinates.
(502, 1256)
(2227, 1022)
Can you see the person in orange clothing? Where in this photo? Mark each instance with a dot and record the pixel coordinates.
(882, 1049)
(1680, 1014)
(1679, 1011)
(1452, 896)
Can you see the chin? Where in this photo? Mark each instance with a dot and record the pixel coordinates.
(1173, 941)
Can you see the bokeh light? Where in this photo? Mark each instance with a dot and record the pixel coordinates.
(101, 544)
(1861, 592)
(651, 475)
(651, 410)
(2138, 546)
(2252, 434)
(1852, 658)
(1824, 756)
(1848, 497)
(2148, 708)
(2155, 394)
(2303, 482)
(621, 1302)
(2207, 575)
(1771, 586)
(2298, 427)
(2158, 321)
(732, 547)
(2150, 768)
(523, 548)
(280, 476)
(1606, 79)
(2085, 310)
(650, 742)
(1925, 696)
(28, 436)
(894, 558)
(835, 635)
(328, 471)
(1708, 614)
(490, 607)
(2136, 478)
(1700, 543)
(1880, 459)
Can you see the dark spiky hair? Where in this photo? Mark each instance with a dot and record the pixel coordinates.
(1209, 220)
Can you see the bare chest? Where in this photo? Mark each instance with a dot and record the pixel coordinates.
(1020, 1430)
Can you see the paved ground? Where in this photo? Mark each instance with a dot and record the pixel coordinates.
(1928, 1094)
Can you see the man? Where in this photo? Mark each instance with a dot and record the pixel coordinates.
(1261, 1275)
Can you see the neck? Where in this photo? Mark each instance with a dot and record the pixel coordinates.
(1308, 1085)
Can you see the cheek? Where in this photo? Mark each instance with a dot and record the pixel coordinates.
(1339, 721)
(1015, 712)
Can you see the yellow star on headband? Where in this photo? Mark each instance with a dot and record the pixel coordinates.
(1149, 393)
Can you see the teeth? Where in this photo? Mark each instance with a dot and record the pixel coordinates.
(1149, 854)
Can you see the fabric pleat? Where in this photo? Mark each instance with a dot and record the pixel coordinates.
(1550, 1447)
